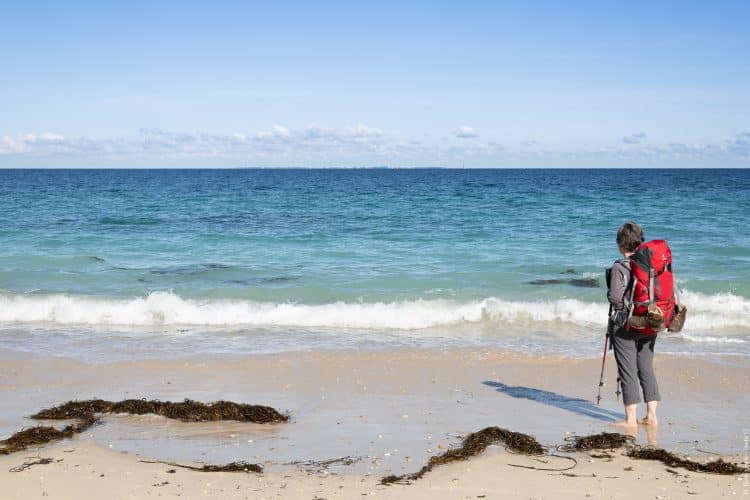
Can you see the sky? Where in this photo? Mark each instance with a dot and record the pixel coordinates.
(358, 84)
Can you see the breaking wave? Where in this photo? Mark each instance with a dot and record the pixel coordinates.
(706, 312)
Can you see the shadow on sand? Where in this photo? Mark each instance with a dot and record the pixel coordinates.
(574, 405)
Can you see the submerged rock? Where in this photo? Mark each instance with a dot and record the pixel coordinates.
(579, 282)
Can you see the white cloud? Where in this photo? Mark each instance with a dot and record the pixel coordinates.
(354, 145)
(46, 143)
(465, 132)
(277, 142)
(636, 138)
(277, 132)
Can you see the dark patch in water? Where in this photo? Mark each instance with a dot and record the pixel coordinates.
(129, 221)
(94, 258)
(212, 265)
(569, 271)
(263, 281)
(237, 282)
(279, 279)
(192, 269)
(579, 282)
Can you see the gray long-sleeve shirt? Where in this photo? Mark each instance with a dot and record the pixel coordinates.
(618, 285)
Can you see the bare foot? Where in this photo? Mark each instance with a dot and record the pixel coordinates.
(625, 424)
(652, 421)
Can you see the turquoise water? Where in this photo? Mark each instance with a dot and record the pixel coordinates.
(109, 263)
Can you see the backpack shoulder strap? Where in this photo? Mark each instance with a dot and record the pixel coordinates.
(630, 289)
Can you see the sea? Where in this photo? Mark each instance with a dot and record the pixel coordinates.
(106, 264)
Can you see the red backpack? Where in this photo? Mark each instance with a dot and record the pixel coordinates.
(653, 283)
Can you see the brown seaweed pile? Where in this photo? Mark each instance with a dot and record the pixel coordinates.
(474, 444)
(716, 467)
(85, 411)
(187, 410)
(34, 436)
(602, 441)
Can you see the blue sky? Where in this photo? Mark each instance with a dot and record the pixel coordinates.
(485, 84)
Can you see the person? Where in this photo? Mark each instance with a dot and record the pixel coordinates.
(634, 351)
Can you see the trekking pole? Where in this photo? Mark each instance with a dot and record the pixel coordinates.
(604, 356)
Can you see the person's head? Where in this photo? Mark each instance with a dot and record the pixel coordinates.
(629, 236)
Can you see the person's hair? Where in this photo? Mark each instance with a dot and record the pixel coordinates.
(629, 236)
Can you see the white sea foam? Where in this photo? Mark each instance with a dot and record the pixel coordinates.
(706, 312)
(711, 339)
(715, 312)
(163, 308)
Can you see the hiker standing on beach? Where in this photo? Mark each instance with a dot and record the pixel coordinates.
(633, 343)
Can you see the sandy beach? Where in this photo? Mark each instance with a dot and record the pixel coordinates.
(388, 411)
(89, 471)
(342, 250)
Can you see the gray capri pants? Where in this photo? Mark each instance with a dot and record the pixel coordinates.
(634, 353)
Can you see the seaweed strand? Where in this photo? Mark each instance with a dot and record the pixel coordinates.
(472, 445)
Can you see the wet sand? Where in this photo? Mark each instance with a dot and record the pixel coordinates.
(389, 410)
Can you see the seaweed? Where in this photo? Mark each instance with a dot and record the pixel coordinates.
(73, 409)
(472, 445)
(608, 440)
(602, 441)
(325, 464)
(34, 436)
(670, 459)
(231, 467)
(240, 466)
(85, 411)
(187, 410)
(39, 461)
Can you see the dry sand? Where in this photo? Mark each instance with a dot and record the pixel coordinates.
(88, 471)
(390, 410)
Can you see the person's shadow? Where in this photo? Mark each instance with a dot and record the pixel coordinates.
(574, 405)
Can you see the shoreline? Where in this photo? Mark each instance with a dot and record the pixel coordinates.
(390, 409)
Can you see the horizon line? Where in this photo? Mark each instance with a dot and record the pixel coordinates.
(382, 167)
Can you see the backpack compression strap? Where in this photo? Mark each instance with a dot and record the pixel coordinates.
(630, 304)
(651, 285)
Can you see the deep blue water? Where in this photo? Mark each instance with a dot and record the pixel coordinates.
(92, 259)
